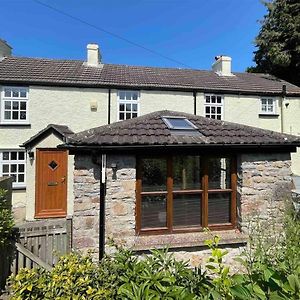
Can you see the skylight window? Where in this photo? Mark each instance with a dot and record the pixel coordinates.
(179, 123)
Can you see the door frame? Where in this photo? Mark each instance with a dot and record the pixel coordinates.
(58, 214)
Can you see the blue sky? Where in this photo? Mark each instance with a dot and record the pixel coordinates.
(188, 31)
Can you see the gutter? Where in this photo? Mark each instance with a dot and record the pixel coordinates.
(195, 102)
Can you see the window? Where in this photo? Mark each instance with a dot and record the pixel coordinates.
(179, 123)
(185, 193)
(12, 163)
(213, 107)
(128, 104)
(14, 105)
(268, 106)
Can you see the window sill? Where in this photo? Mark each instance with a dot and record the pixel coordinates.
(268, 115)
(15, 125)
(187, 240)
(19, 188)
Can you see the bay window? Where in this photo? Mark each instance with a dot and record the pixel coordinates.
(185, 193)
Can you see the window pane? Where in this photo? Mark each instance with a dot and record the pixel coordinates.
(22, 115)
(122, 107)
(207, 99)
(186, 173)
(122, 95)
(15, 105)
(21, 155)
(121, 116)
(128, 95)
(134, 107)
(5, 168)
(187, 210)
(218, 110)
(154, 174)
(213, 99)
(21, 178)
(7, 115)
(134, 95)
(5, 155)
(219, 99)
(128, 107)
(7, 104)
(23, 93)
(13, 168)
(219, 208)
(207, 109)
(13, 155)
(134, 115)
(7, 93)
(23, 105)
(15, 93)
(21, 168)
(154, 211)
(264, 101)
(15, 115)
(128, 116)
(219, 173)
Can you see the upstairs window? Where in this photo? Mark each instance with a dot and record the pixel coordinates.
(213, 107)
(268, 106)
(14, 105)
(12, 163)
(185, 193)
(128, 104)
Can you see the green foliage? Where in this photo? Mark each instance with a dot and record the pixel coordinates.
(7, 232)
(271, 273)
(278, 41)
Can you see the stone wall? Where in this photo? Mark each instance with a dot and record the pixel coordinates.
(86, 204)
(264, 182)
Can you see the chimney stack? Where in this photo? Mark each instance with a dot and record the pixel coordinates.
(93, 55)
(222, 65)
(5, 49)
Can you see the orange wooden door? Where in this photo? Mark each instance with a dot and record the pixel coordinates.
(51, 183)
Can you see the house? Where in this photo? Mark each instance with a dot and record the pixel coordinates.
(74, 95)
(161, 178)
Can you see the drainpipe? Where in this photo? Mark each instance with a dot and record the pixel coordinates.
(283, 94)
(195, 102)
(109, 102)
(102, 208)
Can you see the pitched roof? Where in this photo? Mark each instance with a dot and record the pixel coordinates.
(21, 70)
(62, 131)
(150, 130)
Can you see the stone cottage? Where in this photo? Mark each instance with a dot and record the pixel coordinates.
(159, 179)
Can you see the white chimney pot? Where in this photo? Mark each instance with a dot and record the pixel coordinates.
(93, 55)
(222, 66)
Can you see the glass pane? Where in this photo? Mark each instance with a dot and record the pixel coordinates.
(218, 110)
(135, 95)
(264, 101)
(21, 178)
(154, 174)
(23, 105)
(128, 107)
(128, 116)
(23, 93)
(134, 115)
(5, 169)
(218, 117)
(22, 115)
(15, 93)
(5, 155)
(187, 210)
(122, 95)
(15, 115)
(219, 173)
(7, 115)
(207, 109)
(154, 211)
(13, 168)
(122, 107)
(213, 109)
(13, 155)
(219, 208)
(134, 107)
(7, 104)
(128, 95)
(15, 105)
(21, 168)
(121, 116)
(207, 99)
(178, 123)
(213, 99)
(7, 93)
(186, 173)
(219, 99)
(21, 155)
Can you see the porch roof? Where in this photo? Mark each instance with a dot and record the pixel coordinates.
(151, 131)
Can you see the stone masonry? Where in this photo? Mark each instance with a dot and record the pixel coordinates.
(264, 182)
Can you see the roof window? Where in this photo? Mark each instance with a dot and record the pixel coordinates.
(181, 123)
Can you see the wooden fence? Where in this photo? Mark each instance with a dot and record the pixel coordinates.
(40, 244)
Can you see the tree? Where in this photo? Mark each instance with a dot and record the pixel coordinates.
(278, 41)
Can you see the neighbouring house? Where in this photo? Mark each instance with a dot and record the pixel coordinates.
(161, 178)
(75, 95)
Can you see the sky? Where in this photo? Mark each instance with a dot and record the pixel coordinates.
(190, 33)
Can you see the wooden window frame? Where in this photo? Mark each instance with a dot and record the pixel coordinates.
(203, 195)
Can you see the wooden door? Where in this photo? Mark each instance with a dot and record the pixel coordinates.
(51, 183)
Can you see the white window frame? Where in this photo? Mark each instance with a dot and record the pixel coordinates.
(16, 162)
(130, 102)
(266, 111)
(215, 105)
(14, 99)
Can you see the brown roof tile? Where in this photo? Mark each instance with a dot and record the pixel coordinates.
(150, 129)
(22, 70)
